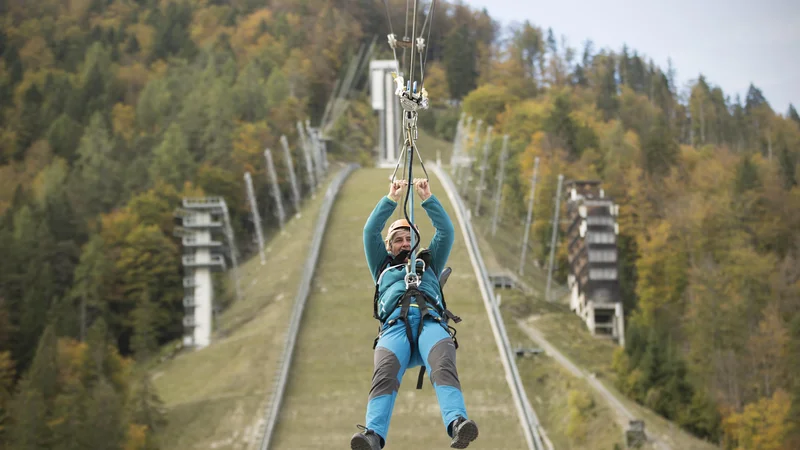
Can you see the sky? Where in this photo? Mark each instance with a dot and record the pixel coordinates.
(731, 42)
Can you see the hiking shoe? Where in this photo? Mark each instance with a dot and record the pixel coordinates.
(464, 432)
(365, 440)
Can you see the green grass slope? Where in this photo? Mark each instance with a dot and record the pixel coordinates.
(215, 396)
(332, 367)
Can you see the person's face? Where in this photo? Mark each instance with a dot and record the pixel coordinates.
(401, 241)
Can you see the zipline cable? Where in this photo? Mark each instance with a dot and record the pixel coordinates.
(391, 30)
(427, 40)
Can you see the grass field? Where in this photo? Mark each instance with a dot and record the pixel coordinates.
(214, 397)
(332, 367)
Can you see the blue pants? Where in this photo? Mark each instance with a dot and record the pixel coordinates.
(393, 355)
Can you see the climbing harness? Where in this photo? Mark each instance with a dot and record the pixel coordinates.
(422, 301)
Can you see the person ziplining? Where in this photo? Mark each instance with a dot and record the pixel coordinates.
(409, 300)
(414, 318)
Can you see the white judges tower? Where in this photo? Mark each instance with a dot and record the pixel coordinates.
(384, 101)
(201, 218)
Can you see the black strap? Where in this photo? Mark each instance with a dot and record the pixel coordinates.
(421, 376)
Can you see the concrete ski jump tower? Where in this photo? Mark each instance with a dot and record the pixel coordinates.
(594, 274)
(384, 101)
(201, 218)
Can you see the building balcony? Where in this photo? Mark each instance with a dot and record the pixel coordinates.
(601, 238)
(193, 221)
(603, 256)
(188, 282)
(204, 203)
(192, 241)
(188, 301)
(600, 221)
(603, 274)
(213, 262)
(189, 322)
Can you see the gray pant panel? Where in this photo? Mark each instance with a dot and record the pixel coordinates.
(384, 378)
(442, 361)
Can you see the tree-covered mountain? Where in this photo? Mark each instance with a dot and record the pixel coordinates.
(709, 223)
(112, 110)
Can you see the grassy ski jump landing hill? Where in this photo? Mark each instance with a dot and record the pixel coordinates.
(330, 377)
(215, 397)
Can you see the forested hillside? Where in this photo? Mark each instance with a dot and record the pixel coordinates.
(112, 110)
(709, 223)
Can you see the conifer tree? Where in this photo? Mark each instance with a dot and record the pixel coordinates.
(43, 372)
(144, 341)
(607, 97)
(746, 175)
(792, 114)
(172, 161)
(63, 136)
(29, 430)
(29, 120)
(95, 360)
(69, 412)
(659, 148)
(788, 165)
(97, 172)
(146, 408)
(105, 424)
(7, 374)
(459, 59)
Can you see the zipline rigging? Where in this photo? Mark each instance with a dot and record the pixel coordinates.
(413, 97)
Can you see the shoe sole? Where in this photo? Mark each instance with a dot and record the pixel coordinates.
(467, 434)
(358, 443)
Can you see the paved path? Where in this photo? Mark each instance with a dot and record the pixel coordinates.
(623, 413)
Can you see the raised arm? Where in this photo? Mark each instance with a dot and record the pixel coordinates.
(374, 247)
(442, 241)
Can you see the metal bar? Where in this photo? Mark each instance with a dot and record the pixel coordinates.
(292, 178)
(251, 196)
(232, 247)
(487, 144)
(498, 195)
(307, 156)
(529, 220)
(276, 190)
(553, 241)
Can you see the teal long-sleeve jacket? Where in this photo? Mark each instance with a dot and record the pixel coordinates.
(391, 282)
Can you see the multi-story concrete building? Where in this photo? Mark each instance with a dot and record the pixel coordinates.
(594, 275)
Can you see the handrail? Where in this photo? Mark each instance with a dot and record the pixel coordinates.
(271, 413)
(530, 422)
